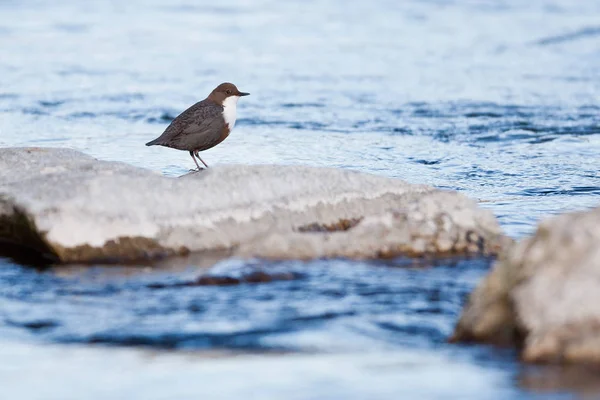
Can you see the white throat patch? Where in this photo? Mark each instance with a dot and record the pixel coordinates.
(229, 110)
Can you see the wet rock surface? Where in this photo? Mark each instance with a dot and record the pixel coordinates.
(74, 208)
(542, 294)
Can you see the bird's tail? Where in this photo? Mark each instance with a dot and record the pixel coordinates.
(152, 142)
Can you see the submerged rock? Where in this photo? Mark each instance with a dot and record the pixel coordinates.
(75, 208)
(541, 294)
(257, 276)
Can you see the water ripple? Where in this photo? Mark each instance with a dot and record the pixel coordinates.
(191, 314)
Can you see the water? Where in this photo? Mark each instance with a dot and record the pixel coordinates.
(497, 99)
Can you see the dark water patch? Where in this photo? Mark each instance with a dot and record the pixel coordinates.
(420, 329)
(82, 114)
(429, 310)
(555, 191)
(478, 128)
(9, 96)
(134, 115)
(385, 128)
(475, 262)
(127, 115)
(487, 123)
(297, 125)
(530, 133)
(540, 140)
(470, 110)
(589, 107)
(539, 129)
(445, 135)
(261, 122)
(428, 113)
(426, 162)
(89, 291)
(302, 105)
(398, 130)
(322, 317)
(162, 118)
(51, 103)
(523, 126)
(34, 325)
(416, 104)
(246, 340)
(483, 114)
(580, 130)
(307, 125)
(592, 174)
(582, 115)
(582, 33)
(483, 174)
(34, 111)
(368, 122)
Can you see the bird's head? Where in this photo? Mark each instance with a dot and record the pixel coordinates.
(224, 91)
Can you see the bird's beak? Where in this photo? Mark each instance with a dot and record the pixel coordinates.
(243, 94)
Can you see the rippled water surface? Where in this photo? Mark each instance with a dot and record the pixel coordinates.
(497, 99)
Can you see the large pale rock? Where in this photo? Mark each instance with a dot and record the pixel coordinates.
(75, 208)
(541, 294)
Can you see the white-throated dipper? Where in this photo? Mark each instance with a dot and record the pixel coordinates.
(203, 125)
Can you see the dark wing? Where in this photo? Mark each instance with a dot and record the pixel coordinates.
(194, 127)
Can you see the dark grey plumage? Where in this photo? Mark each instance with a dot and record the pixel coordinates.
(203, 125)
(198, 128)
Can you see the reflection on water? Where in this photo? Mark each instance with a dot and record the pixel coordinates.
(567, 378)
(497, 99)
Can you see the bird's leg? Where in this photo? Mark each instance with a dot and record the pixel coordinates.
(201, 160)
(192, 154)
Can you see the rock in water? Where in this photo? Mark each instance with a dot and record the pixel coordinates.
(78, 209)
(541, 294)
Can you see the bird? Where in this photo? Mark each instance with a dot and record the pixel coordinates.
(203, 125)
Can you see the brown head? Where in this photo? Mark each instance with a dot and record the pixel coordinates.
(223, 91)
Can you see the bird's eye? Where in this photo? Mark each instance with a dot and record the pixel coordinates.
(228, 91)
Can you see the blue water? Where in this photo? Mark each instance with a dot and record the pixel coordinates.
(497, 99)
